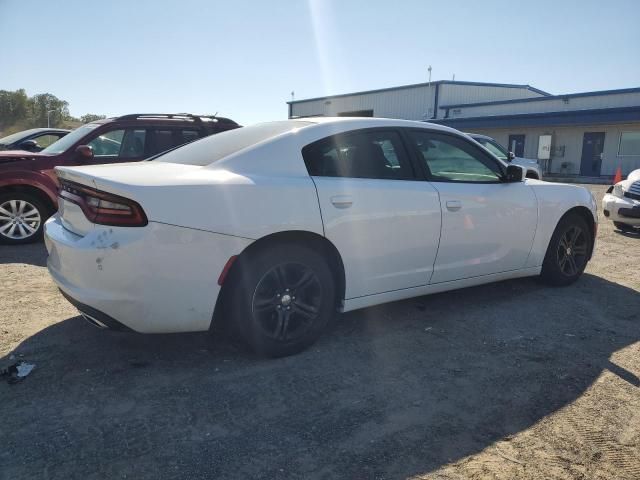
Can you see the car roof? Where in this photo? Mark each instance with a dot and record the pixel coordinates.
(348, 123)
(168, 118)
(31, 131)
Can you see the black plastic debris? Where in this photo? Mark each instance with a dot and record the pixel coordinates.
(17, 372)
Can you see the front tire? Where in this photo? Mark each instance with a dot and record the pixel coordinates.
(281, 298)
(568, 251)
(22, 218)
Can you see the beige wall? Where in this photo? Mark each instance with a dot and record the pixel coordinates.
(571, 139)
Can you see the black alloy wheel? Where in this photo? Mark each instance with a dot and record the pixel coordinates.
(287, 301)
(572, 251)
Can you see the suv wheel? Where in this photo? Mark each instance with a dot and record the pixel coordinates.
(281, 299)
(22, 218)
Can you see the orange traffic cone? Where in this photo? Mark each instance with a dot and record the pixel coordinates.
(618, 177)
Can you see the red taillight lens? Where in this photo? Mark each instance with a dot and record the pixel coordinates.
(102, 207)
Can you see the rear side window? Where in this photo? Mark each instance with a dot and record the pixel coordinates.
(162, 140)
(187, 136)
(376, 154)
(133, 145)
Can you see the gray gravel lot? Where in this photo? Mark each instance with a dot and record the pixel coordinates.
(510, 380)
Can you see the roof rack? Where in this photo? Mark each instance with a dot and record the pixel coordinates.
(177, 116)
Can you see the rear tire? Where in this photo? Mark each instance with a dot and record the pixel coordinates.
(281, 298)
(22, 218)
(623, 227)
(568, 251)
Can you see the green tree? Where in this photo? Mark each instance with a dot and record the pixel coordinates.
(91, 117)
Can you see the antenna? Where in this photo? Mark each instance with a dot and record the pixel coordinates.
(454, 77)
(293, 95)
(429, 70)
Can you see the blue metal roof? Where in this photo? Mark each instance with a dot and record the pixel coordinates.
(546, 97)
(576, 117)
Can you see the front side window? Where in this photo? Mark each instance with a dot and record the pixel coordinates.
(108, 144)
(451, 159)
(370, 154)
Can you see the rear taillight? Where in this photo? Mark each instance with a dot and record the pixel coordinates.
(102, 207)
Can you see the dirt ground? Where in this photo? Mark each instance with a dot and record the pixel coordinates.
(511, 380)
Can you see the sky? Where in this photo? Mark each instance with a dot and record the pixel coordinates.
(242, 59)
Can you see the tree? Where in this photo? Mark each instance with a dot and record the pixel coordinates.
(91, 117)
(18, 111)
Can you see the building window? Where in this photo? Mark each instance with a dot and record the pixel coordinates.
(629, 144)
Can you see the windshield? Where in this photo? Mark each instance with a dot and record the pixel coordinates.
(213, 148)
(494, 147)
(64, 143)
(9, 139)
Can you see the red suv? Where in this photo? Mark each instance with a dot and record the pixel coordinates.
(28, 185)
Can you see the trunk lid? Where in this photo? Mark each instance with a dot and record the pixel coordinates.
(130, 180)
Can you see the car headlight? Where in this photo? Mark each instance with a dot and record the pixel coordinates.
(617, 191)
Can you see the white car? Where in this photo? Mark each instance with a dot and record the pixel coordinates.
(621, 203)
(276, 227)
(531, 166)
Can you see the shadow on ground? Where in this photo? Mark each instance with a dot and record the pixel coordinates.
(389, 392)
(31, 254)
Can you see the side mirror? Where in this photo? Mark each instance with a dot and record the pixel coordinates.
(514, 174)
(84, 151)
(511, 155)
(30, 146)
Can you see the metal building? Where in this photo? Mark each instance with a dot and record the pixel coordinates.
(582, 134)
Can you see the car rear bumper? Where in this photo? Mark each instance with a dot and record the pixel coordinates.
(154, 279)
(621, 210)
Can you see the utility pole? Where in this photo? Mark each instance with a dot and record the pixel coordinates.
(48, 118)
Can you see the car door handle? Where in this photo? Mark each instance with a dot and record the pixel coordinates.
(454, 205)
(342, 201)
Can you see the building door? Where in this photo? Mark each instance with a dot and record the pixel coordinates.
(592, 147)
(516, 145)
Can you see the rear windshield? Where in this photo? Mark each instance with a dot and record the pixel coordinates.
(221, 145)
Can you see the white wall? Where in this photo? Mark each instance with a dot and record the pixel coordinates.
(571, 139)
(414, 102)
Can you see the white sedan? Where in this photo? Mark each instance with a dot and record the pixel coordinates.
(275, 227)
(621, 203)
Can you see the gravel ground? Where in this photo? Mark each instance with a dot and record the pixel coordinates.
(511, 380)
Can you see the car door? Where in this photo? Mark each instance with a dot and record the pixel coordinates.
(384, 221)
(488, 224)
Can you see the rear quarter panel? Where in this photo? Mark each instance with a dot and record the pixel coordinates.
(554, 200)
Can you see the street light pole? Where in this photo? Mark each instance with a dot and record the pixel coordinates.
(48, 120)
